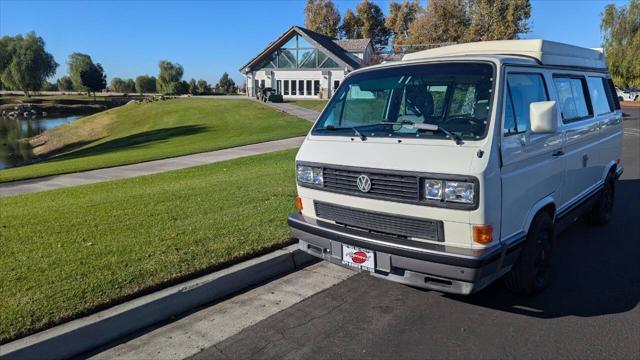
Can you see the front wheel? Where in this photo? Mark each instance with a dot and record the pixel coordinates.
(531, 272)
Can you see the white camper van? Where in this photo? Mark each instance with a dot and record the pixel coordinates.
(457, 166)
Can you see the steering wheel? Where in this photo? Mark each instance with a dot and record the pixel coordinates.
(463, 119)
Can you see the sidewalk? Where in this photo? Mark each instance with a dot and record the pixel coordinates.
(145, 168)
(294, 110)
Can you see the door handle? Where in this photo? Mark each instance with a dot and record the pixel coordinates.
(558, 153)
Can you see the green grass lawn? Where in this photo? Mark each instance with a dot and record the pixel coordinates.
(141, 132)
(316, 105)
(68, 252)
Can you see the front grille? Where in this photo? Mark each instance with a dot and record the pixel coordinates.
(388, 186)
(405, 227)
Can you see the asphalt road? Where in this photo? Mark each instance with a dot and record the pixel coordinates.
(589, 311)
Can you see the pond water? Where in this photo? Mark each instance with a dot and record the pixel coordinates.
(14, 152)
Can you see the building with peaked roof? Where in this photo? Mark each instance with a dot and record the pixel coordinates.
(305, 64)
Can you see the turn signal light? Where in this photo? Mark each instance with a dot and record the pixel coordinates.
(299, 203)
(482, 234)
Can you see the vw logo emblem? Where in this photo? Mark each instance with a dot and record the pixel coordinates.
(364, 183)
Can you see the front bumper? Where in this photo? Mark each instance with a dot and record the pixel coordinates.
(431, 266)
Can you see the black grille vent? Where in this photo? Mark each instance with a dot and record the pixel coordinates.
(389, 186)
(381, 223)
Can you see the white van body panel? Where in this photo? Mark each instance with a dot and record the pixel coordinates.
(545, 51)
(518, 174)
(530, 172)
(426, 156)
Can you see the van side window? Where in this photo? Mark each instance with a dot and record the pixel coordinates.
(572, 95)
(612, 93)
(600, 98)
(522, 90)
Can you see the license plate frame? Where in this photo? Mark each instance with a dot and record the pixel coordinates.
(358, 258)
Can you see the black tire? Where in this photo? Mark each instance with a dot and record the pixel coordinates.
(600, 214)
(531, 272)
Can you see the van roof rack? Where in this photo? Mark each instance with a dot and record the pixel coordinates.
(545, 52)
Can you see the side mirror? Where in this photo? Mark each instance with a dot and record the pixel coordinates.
(544, 117)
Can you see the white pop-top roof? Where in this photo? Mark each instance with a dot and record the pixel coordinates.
(546, 52)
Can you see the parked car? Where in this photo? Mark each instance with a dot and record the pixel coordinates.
(458, 166)
(628, 95)
(264, 93)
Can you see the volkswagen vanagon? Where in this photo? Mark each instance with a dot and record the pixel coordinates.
(458, 165)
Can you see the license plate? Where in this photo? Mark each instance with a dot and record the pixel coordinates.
(359, 258)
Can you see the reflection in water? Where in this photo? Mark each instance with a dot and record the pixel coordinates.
(14, 152)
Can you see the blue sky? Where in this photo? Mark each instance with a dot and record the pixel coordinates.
(207, 38)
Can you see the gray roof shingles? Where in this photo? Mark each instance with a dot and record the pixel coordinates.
(353, 45)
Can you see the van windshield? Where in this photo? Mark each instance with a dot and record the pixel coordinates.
(385, 102)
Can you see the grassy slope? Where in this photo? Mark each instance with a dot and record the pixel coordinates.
(316, 105)
(70, 251)
(142, 132)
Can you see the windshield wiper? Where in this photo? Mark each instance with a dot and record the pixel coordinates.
(354, 128)
(429, 127)
(420, 126)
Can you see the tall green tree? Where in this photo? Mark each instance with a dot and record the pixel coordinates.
(193, 87)
(443, 21)
(182, 88)
(401, 16)
(621, 41)
(24, 62)
(94, 79)
(64, 84)
(130, 86)
(351, 27)
(47, 86)
(497, 19)
(145, 84)
(85, 75)
(459, 21)
(203, 87)
(169, 78)
(373, 23)
(322, 16)
(226, 85)
(118, 85)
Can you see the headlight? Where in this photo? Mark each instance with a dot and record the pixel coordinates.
(433, 189)
(449, 191)
(457, 191)
(309, 175)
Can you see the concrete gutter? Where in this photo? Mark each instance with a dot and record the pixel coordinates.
(85, 334)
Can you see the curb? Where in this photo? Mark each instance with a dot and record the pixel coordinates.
(88, 333)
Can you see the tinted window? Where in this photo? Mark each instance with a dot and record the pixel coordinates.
(613, 95)
(572, 97)
(523, 90)
(599, 99)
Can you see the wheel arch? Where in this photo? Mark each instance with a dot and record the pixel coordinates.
(546, 204)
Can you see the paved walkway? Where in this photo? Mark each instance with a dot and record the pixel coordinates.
(145, 168)
(295, 110)
(290, 109)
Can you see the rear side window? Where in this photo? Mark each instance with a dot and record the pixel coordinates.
(522, 90)
(613, 94)
(602, 102)
(573, 98)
